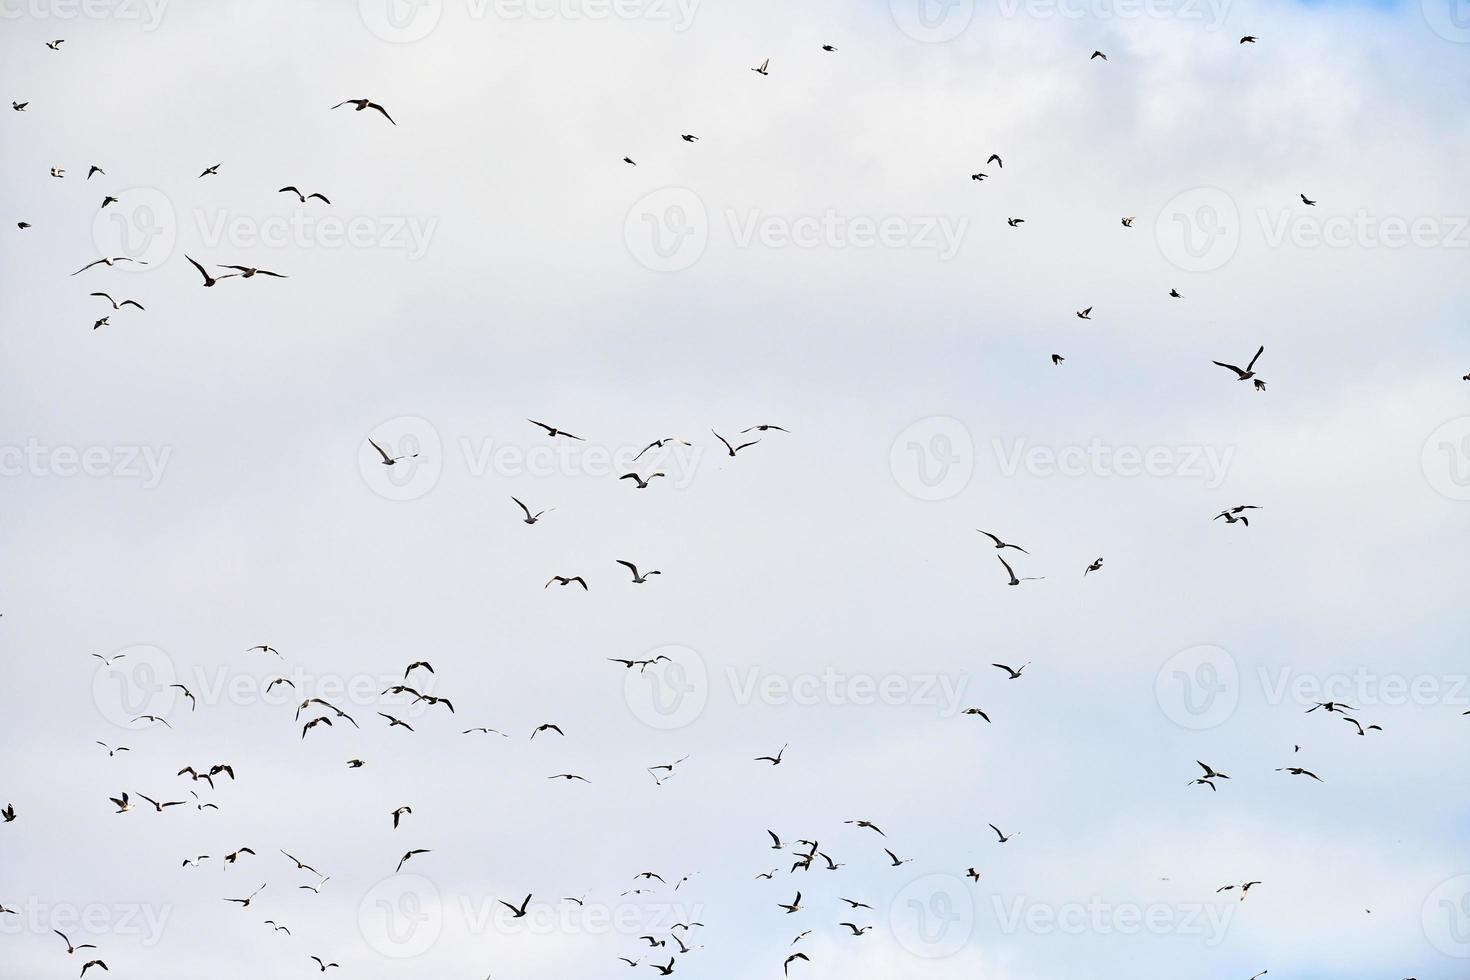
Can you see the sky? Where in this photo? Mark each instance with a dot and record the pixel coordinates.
(184, 482)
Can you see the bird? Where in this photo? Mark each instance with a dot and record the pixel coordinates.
(795, 905)
(390, 460)
(323, 720)
(91, 963)
(1085, 314)
(855, 904)
(531, 518)
(828, 47)
(21, 106)
(56, 44)
(244, 903)
(1015, 222)
(664, 969)
(642, 483)
(1329, 706)
(1015, 672)
(765, 427)
(265, 649)
(785, 967)
(208, 279)
(104, 321)
(972, 874)
(567, 580)
(94, 169)
(518, 912)
(1250, 369)
(113, 751)
(1003, 837)
(211, 171)
(774, 760)
(107, 199)
(22, 225)
(301, 866)
(629, 161)
(548, 727)
(569, 777)
(866, 825)
(398, 813)
(324, 966)
(1359, 726)
(122, 803)
(895, 860)
(159, 807)
(659, 444)
(979, 176)
(276, 927)
(234, 856)
(1098, 54)
(1297, 771)
(764, 68)
(409, 854)
(855, 930)
(1128, 222)
(638, 579)
(115, 304)
(315, 889)
(361, 104)
(69, 947)
(250, 272)
(999, 544)
(1176, 294)
(394, 722)
(292, 189)
(1012, 574)
(1057, 359)
(1095, 566)
(108, 262)
(734, 449)
(1211, 773)
(977, 712)
(688, 137)
(553, 431)
(1249, 39)
(1308, 201)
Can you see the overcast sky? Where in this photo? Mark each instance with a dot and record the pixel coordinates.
(184, 482)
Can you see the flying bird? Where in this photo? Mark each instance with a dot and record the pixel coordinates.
(390, 460)
(764, 69)
(1250, 369)
(361, 104)
(292, 189)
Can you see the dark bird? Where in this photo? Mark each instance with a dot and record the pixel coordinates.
(764, 69)
(734, 449)
(1250, 369)
(642, 483)
(394, 722)
(1308, 202)
(390, 460)
(361, 104)
(999, 544)
(548, 727)
(866, 825)
(407, 855)
(774, 760)
(1003, 837)
(292, 189)
(69, 947)
(567, 580)
(995, 159)
(244, 903)
(688, 137)
(250, 272)
(518, 912)
(56, 44)
(1249, 39)
(785, 967)
(1094, 567)
(1015, 672)
(324, 966)
(895, 860)
(1014, 222)
(115, 304)
(1012, 574)
(91, 963)
(1057, 358)
(211, 171)
(1098, 54)
(638, 578)
(1085, 314)
(553, 431)
(977, 712)
(795, 905)
(531, 518)
(1296, 771)
(855, 930)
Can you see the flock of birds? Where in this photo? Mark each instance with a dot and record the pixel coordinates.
(315, 715)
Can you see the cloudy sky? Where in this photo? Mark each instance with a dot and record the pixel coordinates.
(187, 481)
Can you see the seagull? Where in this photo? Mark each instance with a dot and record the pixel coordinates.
(210, 171)
(395, 723)
(688, 137)
(979, 176)
(22, 225)
(409, 854)
(244, 903)
(972, 874)
(1098, 54)
(1012, 574)
(21, 106)
(897, 861)
(1085, 314)
(855, 905)
(115, 304)
(828, 47)
(113, 751)
(361, 104)
(995, 159)
(774, 760)
(97, 325)
(1295, 771)
(567, 580)
(569, 777)
(734, 449)
(554, 432)
(638, 579)
(785, 967)
(153, 718)
(324, 966)
(1250, 369)
(665, 970)
(795, 905)
(855, 930)
(315, 889)
(208, 279)
(234, 856)
(642, 483)
(390, 460)
(1095, 566)
(94, 169)
(1249, 39)
(301, 866)
(764, 428)
(762, 70)
(1358, 724)
(56, 44)
(159, 807)
(976, 711)
(265, 649)
(1015, 672)
(1003, 837)
(999, 544)
(323, 720)
(1331, 706)
(548, 727)
(866, 825)
(106, 200)
(1013, 222)
(107, 262)
(1057, 359)
(518, 912)
(250, 272)
(531, 518)
(1128, 222)
(659, 444)
(1176, 294)
(629, 160)
(399, 813)
(1308, 202)
(69, 947)
(1211, 773)
(123, 805)
(91, 963)
(276, 927)
(292, 189)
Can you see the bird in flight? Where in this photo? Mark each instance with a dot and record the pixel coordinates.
(786, 967)
(115, 304)
(867, 825)
(1308, 201)
(642, 483)
(734, 449)
(211, 171)
(361, 104)
(250, 272)
(1085, 314)
(554, 432)
(1098, 54)
(390, 460)
(764, 68)
(1297, 771)
(688, 137)
(638, 578)
(69, 947)
(1011, 572)
(977, 712)
(518, 912)
(1250, 369)
(1015, 222)
(324, 966)
(244, 903)
(1095, 566)
(407, 855)
(1128, 222)
(531, 518)
(1003, 837)
(774, 760)
(567, 580)
(1015, 672)
(999, 544)
(292, 189)
(56, 44)
(1249, 39)
(107, 262)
